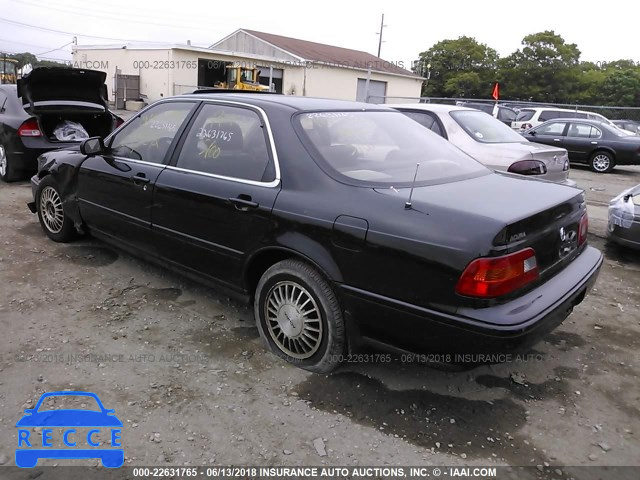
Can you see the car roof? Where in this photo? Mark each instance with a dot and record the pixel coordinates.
(588, 121)
(432, 107)
(292, 101)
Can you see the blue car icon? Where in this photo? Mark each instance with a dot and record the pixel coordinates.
(67, 419)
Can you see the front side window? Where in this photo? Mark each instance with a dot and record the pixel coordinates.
(554, 128)
(149, 136)
(484, 128)
(380, 148)
(230, 142)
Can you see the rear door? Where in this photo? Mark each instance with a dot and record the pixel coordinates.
(581, 140)
(212, 205)
(115, 189)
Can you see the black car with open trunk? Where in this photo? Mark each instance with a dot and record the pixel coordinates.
(342, 222)
(41, 104)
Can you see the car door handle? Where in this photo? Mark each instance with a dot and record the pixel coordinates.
(140, 178)
(556, 139)
(244, 203)
(594, 143)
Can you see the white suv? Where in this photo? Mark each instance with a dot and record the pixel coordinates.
(532, 117)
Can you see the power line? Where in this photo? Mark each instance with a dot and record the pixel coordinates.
(56, 49)
(22, 43)
(6, 20)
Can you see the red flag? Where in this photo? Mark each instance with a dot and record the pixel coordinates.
(496, 91)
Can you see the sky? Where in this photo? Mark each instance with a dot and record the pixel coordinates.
(602, 34)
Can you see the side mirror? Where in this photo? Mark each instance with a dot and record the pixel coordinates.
(29, 410)
(92, 146)
(532, 133)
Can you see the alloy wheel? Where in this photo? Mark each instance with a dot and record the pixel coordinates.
(293, 320)
(51, 209)
(3, 161)
(601, 162)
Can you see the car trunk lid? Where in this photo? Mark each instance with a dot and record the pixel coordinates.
(55, 88)
(522, 212)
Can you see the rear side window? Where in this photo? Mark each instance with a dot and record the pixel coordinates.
(525, 115)
(506, 115)
(551, 114)
(582, 130)
(426, 120)
(230, 142)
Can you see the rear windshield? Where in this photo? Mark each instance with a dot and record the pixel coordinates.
(484, 128)
(524, 115)
(379, 148)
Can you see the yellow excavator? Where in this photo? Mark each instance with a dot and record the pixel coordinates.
(242, 78)
(7, 70)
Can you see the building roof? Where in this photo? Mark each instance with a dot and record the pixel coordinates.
(328, 54)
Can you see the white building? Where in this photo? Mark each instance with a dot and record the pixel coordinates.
(294, 67)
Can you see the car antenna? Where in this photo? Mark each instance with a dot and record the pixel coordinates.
(407, 205)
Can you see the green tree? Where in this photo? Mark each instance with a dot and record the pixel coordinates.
(622, 88)
(545, 69)
(451, 63)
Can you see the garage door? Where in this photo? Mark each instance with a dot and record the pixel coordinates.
(377, 91)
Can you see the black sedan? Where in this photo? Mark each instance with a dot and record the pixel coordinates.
(595, 143)
(50, 108)
(342, 222)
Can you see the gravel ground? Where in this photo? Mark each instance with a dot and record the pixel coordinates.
(186, 372)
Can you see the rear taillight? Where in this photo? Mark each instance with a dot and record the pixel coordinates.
(583, 229)
(526, 126)
(497, 276)
(30, 128)
(528, 167)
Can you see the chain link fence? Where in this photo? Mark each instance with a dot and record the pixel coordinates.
(611, 112)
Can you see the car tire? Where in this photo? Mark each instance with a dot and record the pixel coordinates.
(50, 207)
(601, 162)
(8, 171)
(299, 316)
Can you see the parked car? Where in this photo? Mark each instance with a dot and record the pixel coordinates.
(504, 114)
(40, 106)
(624, 218)
(628, 125)
(532, 117)
(491, 142)
(342, 222)
(595, 143)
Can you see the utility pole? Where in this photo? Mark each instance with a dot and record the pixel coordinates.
(382, 25)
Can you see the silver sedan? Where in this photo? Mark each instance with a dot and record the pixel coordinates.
(490, 141)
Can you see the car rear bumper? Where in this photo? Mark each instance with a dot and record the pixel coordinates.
(628, 237)
(507, 327)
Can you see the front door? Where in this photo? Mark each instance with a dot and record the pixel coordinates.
(115, 189)
(212, 206)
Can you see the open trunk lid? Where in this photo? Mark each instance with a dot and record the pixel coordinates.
(55, 88)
